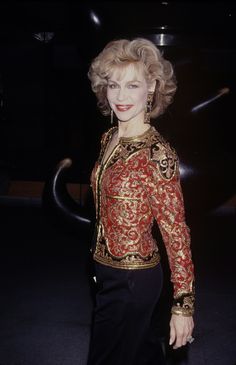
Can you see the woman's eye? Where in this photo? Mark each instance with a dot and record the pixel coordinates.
(112, 86)
(133, 86)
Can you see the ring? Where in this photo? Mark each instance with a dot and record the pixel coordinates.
(190, 339)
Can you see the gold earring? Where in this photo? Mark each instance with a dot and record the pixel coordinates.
(111, 116)
(148, 108)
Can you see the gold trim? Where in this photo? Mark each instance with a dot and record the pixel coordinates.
(137, 137)
(121, 197)
(102, 167)
(186, 312)
(111, 134)
(127, 266)
(182, 293)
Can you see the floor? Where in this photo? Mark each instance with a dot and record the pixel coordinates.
(46, 302)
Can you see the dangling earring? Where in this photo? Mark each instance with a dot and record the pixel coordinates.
(148, 107)
(111, 116)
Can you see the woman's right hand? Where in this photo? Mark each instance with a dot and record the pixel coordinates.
(181, 328)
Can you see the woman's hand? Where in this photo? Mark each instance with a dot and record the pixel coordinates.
(181, 328)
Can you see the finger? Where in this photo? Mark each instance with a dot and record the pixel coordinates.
(179, 341)
(172, 334)
(184, 340)
(186, 337)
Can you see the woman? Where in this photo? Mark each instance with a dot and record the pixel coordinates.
(136, 180)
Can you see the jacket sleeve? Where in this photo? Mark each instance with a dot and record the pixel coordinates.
(161, 178)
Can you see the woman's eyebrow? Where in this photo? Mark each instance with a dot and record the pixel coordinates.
(134, 80)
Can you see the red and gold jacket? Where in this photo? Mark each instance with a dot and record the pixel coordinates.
(140, 182)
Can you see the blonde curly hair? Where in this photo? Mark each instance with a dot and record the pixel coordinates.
(140, 52)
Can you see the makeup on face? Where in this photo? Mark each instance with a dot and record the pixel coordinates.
(127, 92)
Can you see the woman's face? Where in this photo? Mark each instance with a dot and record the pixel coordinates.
(127, 91)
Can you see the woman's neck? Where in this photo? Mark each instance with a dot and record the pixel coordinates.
(132, 128)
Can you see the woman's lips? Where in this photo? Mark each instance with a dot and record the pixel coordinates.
(123, 108)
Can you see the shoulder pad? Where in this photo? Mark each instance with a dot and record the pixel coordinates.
(166, 159)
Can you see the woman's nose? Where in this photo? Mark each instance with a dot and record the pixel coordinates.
(121, 95)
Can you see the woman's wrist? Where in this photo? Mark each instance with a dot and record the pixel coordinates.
(184, 305)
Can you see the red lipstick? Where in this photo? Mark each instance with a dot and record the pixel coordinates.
(123, 108)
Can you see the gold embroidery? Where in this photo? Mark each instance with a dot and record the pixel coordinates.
(121, 197)
(184, 305)
(139, 182)
(166, 160)
(128, 261)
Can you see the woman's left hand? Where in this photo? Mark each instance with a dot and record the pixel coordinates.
(181, 329)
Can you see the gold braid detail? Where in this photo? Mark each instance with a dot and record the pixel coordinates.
(184, 305)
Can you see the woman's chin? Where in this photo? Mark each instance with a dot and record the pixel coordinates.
(123, 120)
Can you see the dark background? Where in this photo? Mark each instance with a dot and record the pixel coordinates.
(48, 112)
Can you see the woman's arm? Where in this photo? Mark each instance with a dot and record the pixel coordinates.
(162, 183)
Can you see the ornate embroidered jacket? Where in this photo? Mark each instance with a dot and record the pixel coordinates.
(140, 182)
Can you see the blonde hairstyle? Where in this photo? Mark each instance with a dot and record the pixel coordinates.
(140, 52)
